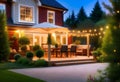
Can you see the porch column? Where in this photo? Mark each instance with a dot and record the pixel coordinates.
(88, 43)
(66, 39)
(61, 39)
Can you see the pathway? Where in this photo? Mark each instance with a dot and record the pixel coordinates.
(72, 73)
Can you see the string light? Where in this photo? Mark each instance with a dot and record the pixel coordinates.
(101, 29)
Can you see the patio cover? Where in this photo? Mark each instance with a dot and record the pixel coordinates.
(48, 27)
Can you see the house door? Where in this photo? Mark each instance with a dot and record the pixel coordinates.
(36, 39)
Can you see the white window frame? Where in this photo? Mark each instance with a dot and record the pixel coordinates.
(32, 12)
(53, 16)
(3, 5)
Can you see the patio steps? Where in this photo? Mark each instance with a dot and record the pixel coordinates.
(72, 62)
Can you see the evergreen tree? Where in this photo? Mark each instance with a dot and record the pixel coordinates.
(111, 40)
(4, 43)
(97, 13)
(81, 15)
(71, 21)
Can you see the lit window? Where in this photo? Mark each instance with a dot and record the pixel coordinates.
(2, 6)
(51, 17)
(26, 14)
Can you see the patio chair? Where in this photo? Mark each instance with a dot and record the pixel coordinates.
(73, 50)
(64, 50)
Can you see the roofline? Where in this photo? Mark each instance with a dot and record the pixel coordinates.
(55, 8)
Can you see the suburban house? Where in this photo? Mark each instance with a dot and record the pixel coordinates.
(35, 19)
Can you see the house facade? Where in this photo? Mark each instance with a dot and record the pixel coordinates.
(35, 19)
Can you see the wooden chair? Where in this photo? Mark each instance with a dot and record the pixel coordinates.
(73, 50)
(64, 50)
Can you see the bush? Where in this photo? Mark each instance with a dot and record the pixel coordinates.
(39, 53)
(36, 47)
(24, 40)
(29, 55)
(17, 56)
(40, 63)
(114, 72)
(24, 61)
(24, 48)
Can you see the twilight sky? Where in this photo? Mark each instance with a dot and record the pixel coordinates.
(76, 5)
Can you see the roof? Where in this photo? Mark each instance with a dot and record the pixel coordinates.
(52, 3)
(46, 25)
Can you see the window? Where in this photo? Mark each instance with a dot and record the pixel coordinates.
(2, 6)
(51, 17)
(26, 14)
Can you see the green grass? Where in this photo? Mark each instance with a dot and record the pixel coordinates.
(8, 76)
(10, 65)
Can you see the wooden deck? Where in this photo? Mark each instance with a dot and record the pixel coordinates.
(67, 58)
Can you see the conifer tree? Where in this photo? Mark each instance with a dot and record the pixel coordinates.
(97, 13)
(111, 40)
(81, 15)
(4, 43)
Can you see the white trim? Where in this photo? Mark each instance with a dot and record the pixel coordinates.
(3, 5)
(14, 0)
(32, 11)
(53, 16)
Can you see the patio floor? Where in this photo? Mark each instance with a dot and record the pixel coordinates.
(66, 58)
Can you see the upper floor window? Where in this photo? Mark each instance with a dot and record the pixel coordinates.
(51, 17)
(26, 14)
(2, 6)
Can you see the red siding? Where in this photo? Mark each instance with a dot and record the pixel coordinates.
(8, 9)
(59, 18)
(43, 16)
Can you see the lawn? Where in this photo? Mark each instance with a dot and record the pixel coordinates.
(8, 76)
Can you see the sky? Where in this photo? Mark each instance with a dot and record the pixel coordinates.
(75, 5)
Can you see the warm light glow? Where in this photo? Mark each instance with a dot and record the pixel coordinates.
(95, 30)
(17, 31)
(73, 31)
(118, 11)
(78, 31)
(99, 33)
(90, 30)
(100, 37)
(114, 50)
(107, 27)
(103, 32)
(101, 29)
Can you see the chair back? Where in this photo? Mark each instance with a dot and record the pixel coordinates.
(73, 48)
(64, 48)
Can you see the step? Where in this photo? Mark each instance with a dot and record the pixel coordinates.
(73, 62)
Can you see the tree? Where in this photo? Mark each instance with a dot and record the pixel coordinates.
(111, 41)
(96, 13)
(4, 43)
(81, 15)
(71, 21)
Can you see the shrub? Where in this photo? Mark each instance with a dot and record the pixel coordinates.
(40, 63)
(24, 48)
(24, 40)
(36, 47)
(29, 55)
(24, 61)
(39, 53)
(17, 56)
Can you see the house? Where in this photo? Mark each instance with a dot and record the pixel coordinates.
(35, 19)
